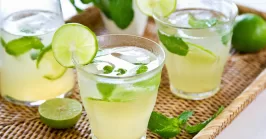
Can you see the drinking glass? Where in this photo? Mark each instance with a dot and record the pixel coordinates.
(197, 39)
(136, 27)
(119, 107)
(30, 74)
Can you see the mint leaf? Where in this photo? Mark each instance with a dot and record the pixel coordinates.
(75, 6)
(105, 89)
(104, 6)
(139, 64)
(121, 71)
(86, 1)
(22, 45)
(122, 12)
(174, 44)
(193, 22)
(3, 43)
(163, 126)
(108, 69)
(226, 38)
(183, 117)
(142, 69)
(196, 128)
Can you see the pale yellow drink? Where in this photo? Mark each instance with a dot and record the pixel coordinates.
(119, 106)
(21, 81)
(197, 44)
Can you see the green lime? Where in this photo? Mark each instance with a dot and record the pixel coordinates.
(60, 113)
(159, 7)
(47, 64)
(198, 54)
(74, 39)
(249, 33)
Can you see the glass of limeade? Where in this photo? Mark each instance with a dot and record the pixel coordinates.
(30, 74)
(197, 39)
(122, 18)
(119, 88)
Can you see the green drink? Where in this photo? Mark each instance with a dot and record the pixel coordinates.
(197, 43)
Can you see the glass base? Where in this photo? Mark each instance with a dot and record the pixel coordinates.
(194, 96)
(32, 103)
(94, 137)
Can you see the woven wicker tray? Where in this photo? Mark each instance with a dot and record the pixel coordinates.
(241, 83)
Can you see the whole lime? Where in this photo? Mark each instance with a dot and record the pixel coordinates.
(249, 33)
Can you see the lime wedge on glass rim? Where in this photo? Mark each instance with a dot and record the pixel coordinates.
(50, 68)
(159, 7)
(60, 113)
(75, 39)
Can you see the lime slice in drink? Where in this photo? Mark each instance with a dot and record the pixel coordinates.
(159, 7)
(47, 64)
(74, 39)
(198, 54)
(60, 113)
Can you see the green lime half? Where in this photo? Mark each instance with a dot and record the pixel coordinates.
(60, 113)
(159, 7)
(198, 54)
(47, 64)
(74, 39)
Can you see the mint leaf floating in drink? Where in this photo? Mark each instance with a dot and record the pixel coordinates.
(22, 45)
(108, 69)
(173, 44)
(163, 126)
(106, 90)
(226, 38)
(3, 42)
(121, 71)
(201, 23)
(196, 128)
(121, 12)
(142, 69)
(170, 127)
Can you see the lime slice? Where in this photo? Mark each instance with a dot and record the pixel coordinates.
(47, 64)
(159, 7)
(75, 39)
(60, 113)
(198, 54)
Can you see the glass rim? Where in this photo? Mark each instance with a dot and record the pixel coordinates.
(231, 19)
(161, 62)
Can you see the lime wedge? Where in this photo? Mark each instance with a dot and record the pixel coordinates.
(198, 54)
(159, 7)
(47, 64)
(75, 39)
(60, 113)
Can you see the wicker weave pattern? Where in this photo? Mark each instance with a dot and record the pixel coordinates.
(19, 122)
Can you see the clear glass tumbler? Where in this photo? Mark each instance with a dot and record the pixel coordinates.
(136, 27)
(30, 74)
(119, 106)
(197, 40)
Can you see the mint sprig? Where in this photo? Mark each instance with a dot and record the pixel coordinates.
(22, 45)
(120, 11)
(164, 126)
(170, 127)
(174, 44)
